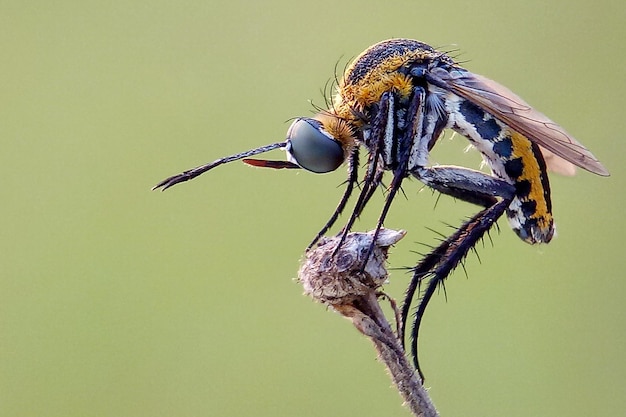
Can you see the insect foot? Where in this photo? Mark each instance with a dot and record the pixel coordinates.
(340, 279)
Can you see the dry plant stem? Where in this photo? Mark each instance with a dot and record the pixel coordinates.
(341, 281)
(368, 318)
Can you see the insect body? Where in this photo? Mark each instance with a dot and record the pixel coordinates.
(395, 100)
(515, 159)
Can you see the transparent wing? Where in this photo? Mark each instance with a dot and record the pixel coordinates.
(557, 164)
(510, 109)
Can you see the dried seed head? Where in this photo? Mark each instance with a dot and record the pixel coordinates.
(338, 278)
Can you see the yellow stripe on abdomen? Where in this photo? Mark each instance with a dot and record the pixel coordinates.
(530, 212)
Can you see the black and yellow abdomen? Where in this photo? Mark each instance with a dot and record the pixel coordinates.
(513, 158)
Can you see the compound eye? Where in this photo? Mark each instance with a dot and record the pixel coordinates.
(312, 148)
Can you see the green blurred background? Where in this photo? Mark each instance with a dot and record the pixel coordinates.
(118, 301)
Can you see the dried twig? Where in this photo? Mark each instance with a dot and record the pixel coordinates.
(340, 281)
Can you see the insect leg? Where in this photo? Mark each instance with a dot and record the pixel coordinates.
(440, 263)
(372, 176)
(404, 144)
(465, 184)
(375, 179)
(353, 169)
(468, 185)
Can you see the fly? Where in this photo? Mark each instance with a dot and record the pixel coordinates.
(395, 100)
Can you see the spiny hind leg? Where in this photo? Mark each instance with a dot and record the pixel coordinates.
(468, 185)
(438, 265)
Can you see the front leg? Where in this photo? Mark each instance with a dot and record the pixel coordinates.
(384, 117)
(399, 147)
(353, 169)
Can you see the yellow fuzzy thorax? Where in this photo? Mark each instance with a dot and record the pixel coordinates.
(354, 97)
(371, 91)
